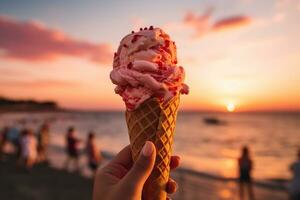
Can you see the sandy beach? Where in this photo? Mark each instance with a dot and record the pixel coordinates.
(42, 182)
(46, 183)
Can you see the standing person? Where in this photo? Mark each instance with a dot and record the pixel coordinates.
(294, 189)
(43, 142)
(28, 148)
(93, 153)
(72, 143)
(245, 165)
(14, 136)
(3, 141)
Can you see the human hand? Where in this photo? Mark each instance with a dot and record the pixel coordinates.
(123, 179)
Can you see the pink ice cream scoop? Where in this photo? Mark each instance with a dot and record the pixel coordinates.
(145, 66)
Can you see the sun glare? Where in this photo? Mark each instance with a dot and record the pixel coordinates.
(230, 107)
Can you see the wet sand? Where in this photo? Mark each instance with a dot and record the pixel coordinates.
(193, 187)
(45, 183)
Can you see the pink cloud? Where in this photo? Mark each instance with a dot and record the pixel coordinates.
(231, 22)
(200, 23)
(33, 42)
(204, 24)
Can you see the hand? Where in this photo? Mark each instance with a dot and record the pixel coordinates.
(123, 179)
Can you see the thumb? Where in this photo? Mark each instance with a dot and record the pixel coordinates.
(143, 166)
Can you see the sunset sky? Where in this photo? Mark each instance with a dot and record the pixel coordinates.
(240, 52)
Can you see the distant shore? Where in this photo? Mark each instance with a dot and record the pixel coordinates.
(22, 105)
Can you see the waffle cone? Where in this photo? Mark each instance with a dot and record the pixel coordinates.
(154, 121)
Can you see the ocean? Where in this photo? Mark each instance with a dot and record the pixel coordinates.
(273, 138)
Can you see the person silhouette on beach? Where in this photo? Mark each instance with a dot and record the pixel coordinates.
(93, 153)
(245, 165)
(294, 187)
(3, 141)
(28, 149)
(72, 143)
(14, 135)
(43, 142)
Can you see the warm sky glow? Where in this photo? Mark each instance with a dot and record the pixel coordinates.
(230, 107)
(240, 52)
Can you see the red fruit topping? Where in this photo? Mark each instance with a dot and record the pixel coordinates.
(172, 88)
(176, 79)
(135, 38)
(132, 31)
(175, 62)
(141, 29)
(115, 54)
(160, 64)
(145, 28)
(125, 45)
(129, 65)
(151, 28)
(129, 105)
(165, 49)
(167, 43)
(174, 93)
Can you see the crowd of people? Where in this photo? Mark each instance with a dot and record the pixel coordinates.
(32, 148)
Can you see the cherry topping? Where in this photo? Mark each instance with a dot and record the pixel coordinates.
(145, 28)
(135, 38)
(129, 65)
(141, 29)
(167, 43)
(160, 64)
(132, 31)
(151, 28)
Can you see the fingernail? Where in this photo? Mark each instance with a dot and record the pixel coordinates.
(147, 149)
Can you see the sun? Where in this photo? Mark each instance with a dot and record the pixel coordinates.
(230, 107)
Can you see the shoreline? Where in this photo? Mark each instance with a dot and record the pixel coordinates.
(264, 183)
(269, 184)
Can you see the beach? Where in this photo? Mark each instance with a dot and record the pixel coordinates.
(47, 183)
(208, 148)
(42, 182)
(207, 172)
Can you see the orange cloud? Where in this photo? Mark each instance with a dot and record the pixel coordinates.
(231, 22)
(33, 42)
(203, 24)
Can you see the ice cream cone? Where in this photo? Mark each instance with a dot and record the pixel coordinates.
(154, 121)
